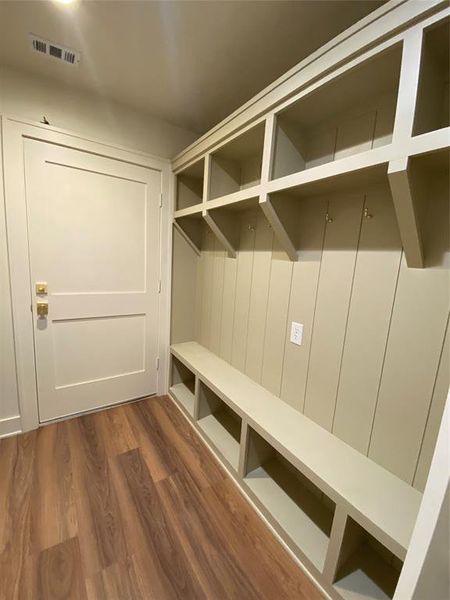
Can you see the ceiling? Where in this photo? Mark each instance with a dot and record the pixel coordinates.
(188, 62)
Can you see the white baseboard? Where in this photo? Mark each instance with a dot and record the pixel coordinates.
(10, 426)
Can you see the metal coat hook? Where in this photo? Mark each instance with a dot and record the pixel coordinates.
(328, 219)
(367, 215)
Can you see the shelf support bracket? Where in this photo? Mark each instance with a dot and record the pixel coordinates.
(406, 210)
(224, 228)
(277, 226)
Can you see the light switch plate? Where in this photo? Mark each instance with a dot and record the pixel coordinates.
(296, 333)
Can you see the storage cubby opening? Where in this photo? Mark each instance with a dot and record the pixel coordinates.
(237, 165)
(300, 509)
(190, 186)
(220, 424)
(432, 107)
(366, 569)
(182, 384)
(192, 227)
(352, 113)
(301, 205)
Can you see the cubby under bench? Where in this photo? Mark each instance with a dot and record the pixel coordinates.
(348, 520)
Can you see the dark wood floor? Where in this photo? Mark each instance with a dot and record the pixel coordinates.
(128, 504)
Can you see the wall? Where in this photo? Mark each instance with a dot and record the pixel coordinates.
(9, 407)
(95, 117)
(371, 368)
(30, 98)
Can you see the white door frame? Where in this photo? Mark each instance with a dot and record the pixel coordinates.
(14, 131)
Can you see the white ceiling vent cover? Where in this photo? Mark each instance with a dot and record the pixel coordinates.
(56, 51)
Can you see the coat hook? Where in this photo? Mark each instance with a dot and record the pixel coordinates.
(328, 219)
(367, 215)
(45, 121)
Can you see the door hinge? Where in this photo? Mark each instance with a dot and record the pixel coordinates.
(159, 286)
(157, 363)
(160, 200)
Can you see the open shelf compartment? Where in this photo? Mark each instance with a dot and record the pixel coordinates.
(237, 165)
(432, 107)
(352, 113)
(299, 509)
(221, 425)
(190, 186)
(366, 569)
(294, 211)
(182, 385)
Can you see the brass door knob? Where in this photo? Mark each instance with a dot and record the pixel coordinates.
(42, 309)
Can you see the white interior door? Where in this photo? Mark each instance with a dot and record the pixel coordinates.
(93, 225)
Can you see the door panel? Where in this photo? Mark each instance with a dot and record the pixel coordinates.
(93, 227)
(120, 341)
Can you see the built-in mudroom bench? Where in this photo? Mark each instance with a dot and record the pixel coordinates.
(348, 519)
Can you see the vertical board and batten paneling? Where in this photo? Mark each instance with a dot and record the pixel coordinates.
(333, 297)
(374, 284)
(243, 287)
(276, 319)
(228, 305)
(184, 316)
(207, 266)
(262, 263)
(305, 278)
(414, 347)
(198, 295)
(217, 297)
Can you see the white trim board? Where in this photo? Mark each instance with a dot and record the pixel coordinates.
(14, 131)
(10, 426)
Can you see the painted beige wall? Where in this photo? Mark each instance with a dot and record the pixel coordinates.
(9, 406)
(373, 367)
(28, 97)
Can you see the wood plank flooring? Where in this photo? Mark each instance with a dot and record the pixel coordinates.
(129, 504)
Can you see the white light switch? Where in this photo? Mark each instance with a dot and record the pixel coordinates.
(296, 333)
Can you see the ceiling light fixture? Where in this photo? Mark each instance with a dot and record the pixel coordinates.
(64, 1)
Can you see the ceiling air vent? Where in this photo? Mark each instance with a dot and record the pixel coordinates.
(56, 51)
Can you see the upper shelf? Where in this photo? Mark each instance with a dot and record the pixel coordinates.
(353, 113)
(190, 186)
(432, 107)
(333, 138)
(237, 165)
